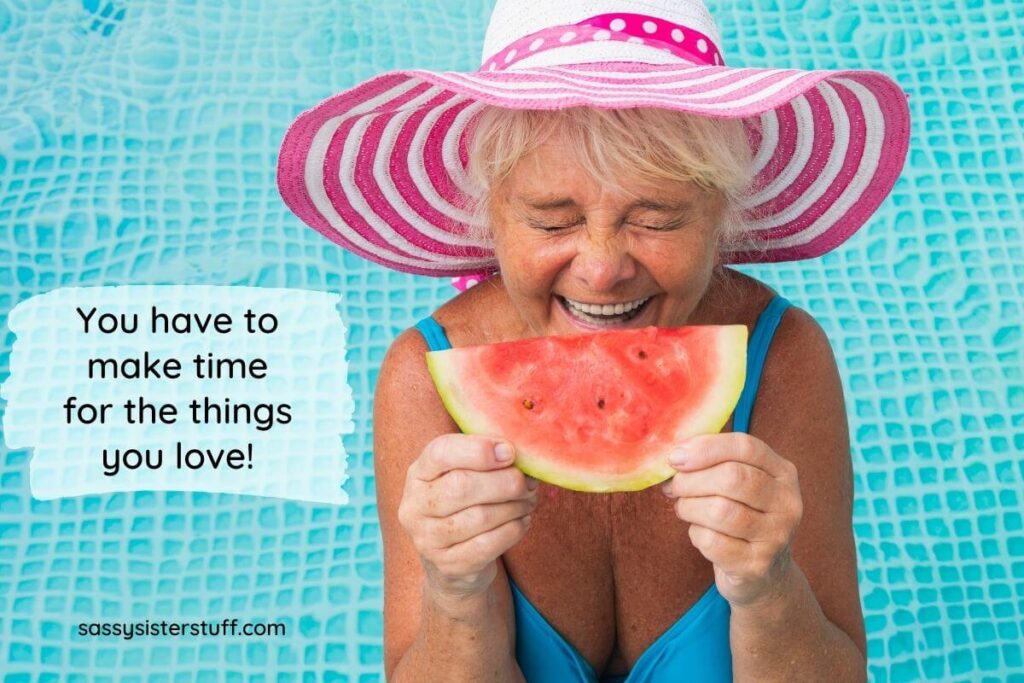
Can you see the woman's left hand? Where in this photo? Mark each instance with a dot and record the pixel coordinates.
(742, 500)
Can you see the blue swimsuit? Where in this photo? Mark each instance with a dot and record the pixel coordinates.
(695, 648)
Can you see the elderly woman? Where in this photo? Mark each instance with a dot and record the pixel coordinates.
(600, 171)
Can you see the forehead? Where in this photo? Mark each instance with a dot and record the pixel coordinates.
(554, 169)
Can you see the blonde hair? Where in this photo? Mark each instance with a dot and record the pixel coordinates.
(643, 143)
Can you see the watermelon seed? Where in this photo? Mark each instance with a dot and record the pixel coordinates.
(642, 354)
(600, 403)
(528, 404)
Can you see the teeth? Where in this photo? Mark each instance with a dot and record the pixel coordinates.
(606, 309)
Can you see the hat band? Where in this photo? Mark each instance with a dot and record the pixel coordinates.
(686, 43)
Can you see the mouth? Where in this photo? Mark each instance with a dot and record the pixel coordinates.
(607, 316)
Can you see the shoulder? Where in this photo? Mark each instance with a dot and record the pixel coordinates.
(801, 362)
(800, 413)
(483, 314)
(405, 388)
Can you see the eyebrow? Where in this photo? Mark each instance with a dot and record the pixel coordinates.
(548, 204)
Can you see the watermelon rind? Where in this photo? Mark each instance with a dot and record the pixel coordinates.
(721, 400)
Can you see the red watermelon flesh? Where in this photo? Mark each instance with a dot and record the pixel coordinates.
(598, 411)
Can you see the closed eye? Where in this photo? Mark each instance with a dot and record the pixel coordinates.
(553, 228)
(657, 228)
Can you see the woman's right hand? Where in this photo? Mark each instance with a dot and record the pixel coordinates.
(463, 506)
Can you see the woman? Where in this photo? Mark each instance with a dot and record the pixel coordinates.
(608, 167)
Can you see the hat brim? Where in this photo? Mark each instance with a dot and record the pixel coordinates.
(381, 168)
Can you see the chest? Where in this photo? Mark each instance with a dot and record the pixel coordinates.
(610, 572)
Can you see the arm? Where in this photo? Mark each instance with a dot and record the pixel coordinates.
(792, 640)
(815, 629)
(428, 635)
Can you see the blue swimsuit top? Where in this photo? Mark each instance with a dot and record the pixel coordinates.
(695, 648)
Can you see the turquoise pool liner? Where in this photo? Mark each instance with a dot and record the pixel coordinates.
(138, 145)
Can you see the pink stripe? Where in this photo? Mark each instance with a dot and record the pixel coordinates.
(854, 152)
(433, 163)
(607, 76)
(368, 188)
(522, 82)
(754, 137)
(291, 163)
(578, 96)
(433, 159)
(570, 76)
(464, 148)
(784, 146)
(692, 86)
(896, 114)
(332, 164)
(821, 147)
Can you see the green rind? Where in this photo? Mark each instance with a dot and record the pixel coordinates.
(437, 363)
(730, 386)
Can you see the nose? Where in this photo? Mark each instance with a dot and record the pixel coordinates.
(603, 260)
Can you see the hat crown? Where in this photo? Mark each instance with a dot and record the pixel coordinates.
(511, 20)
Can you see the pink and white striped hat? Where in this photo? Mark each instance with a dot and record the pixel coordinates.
(380, 168)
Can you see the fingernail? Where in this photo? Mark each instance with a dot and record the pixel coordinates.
(532, 483)
(679, 456)
(504, 452)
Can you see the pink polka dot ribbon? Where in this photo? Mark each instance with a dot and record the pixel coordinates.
(464, 282)
(685, 42)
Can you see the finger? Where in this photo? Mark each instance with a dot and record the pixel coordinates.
(458, 451)
(478, 519)
(461, 489)
(707, 450)
(722, 515)
(720, 549)
(751, 486)
(489, 545)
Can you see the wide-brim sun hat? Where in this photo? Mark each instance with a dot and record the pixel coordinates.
(380, 168)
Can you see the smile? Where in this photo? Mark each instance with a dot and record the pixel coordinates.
(603, 315)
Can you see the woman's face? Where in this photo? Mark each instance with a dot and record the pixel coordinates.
(566, 245)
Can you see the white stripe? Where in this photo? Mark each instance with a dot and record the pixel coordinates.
(346, 175)
(874, 124)
(805, 141)
(674, 86)
(629, 97)
(386, 183)
(416, 156)
(827, 175)
(450, 148)
(392, 94)
(313, 177)
(574, 78)
(769, 140)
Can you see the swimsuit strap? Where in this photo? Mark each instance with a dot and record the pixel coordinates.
(437, 340)
(757, 351)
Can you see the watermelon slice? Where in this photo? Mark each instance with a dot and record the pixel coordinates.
(598, 411)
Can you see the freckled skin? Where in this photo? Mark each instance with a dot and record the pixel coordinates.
(611, 572)
(604, 250)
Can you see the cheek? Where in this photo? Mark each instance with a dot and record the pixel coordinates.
(535, 255)
(675, 264)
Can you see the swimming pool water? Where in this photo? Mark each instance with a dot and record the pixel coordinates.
(138, 145)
